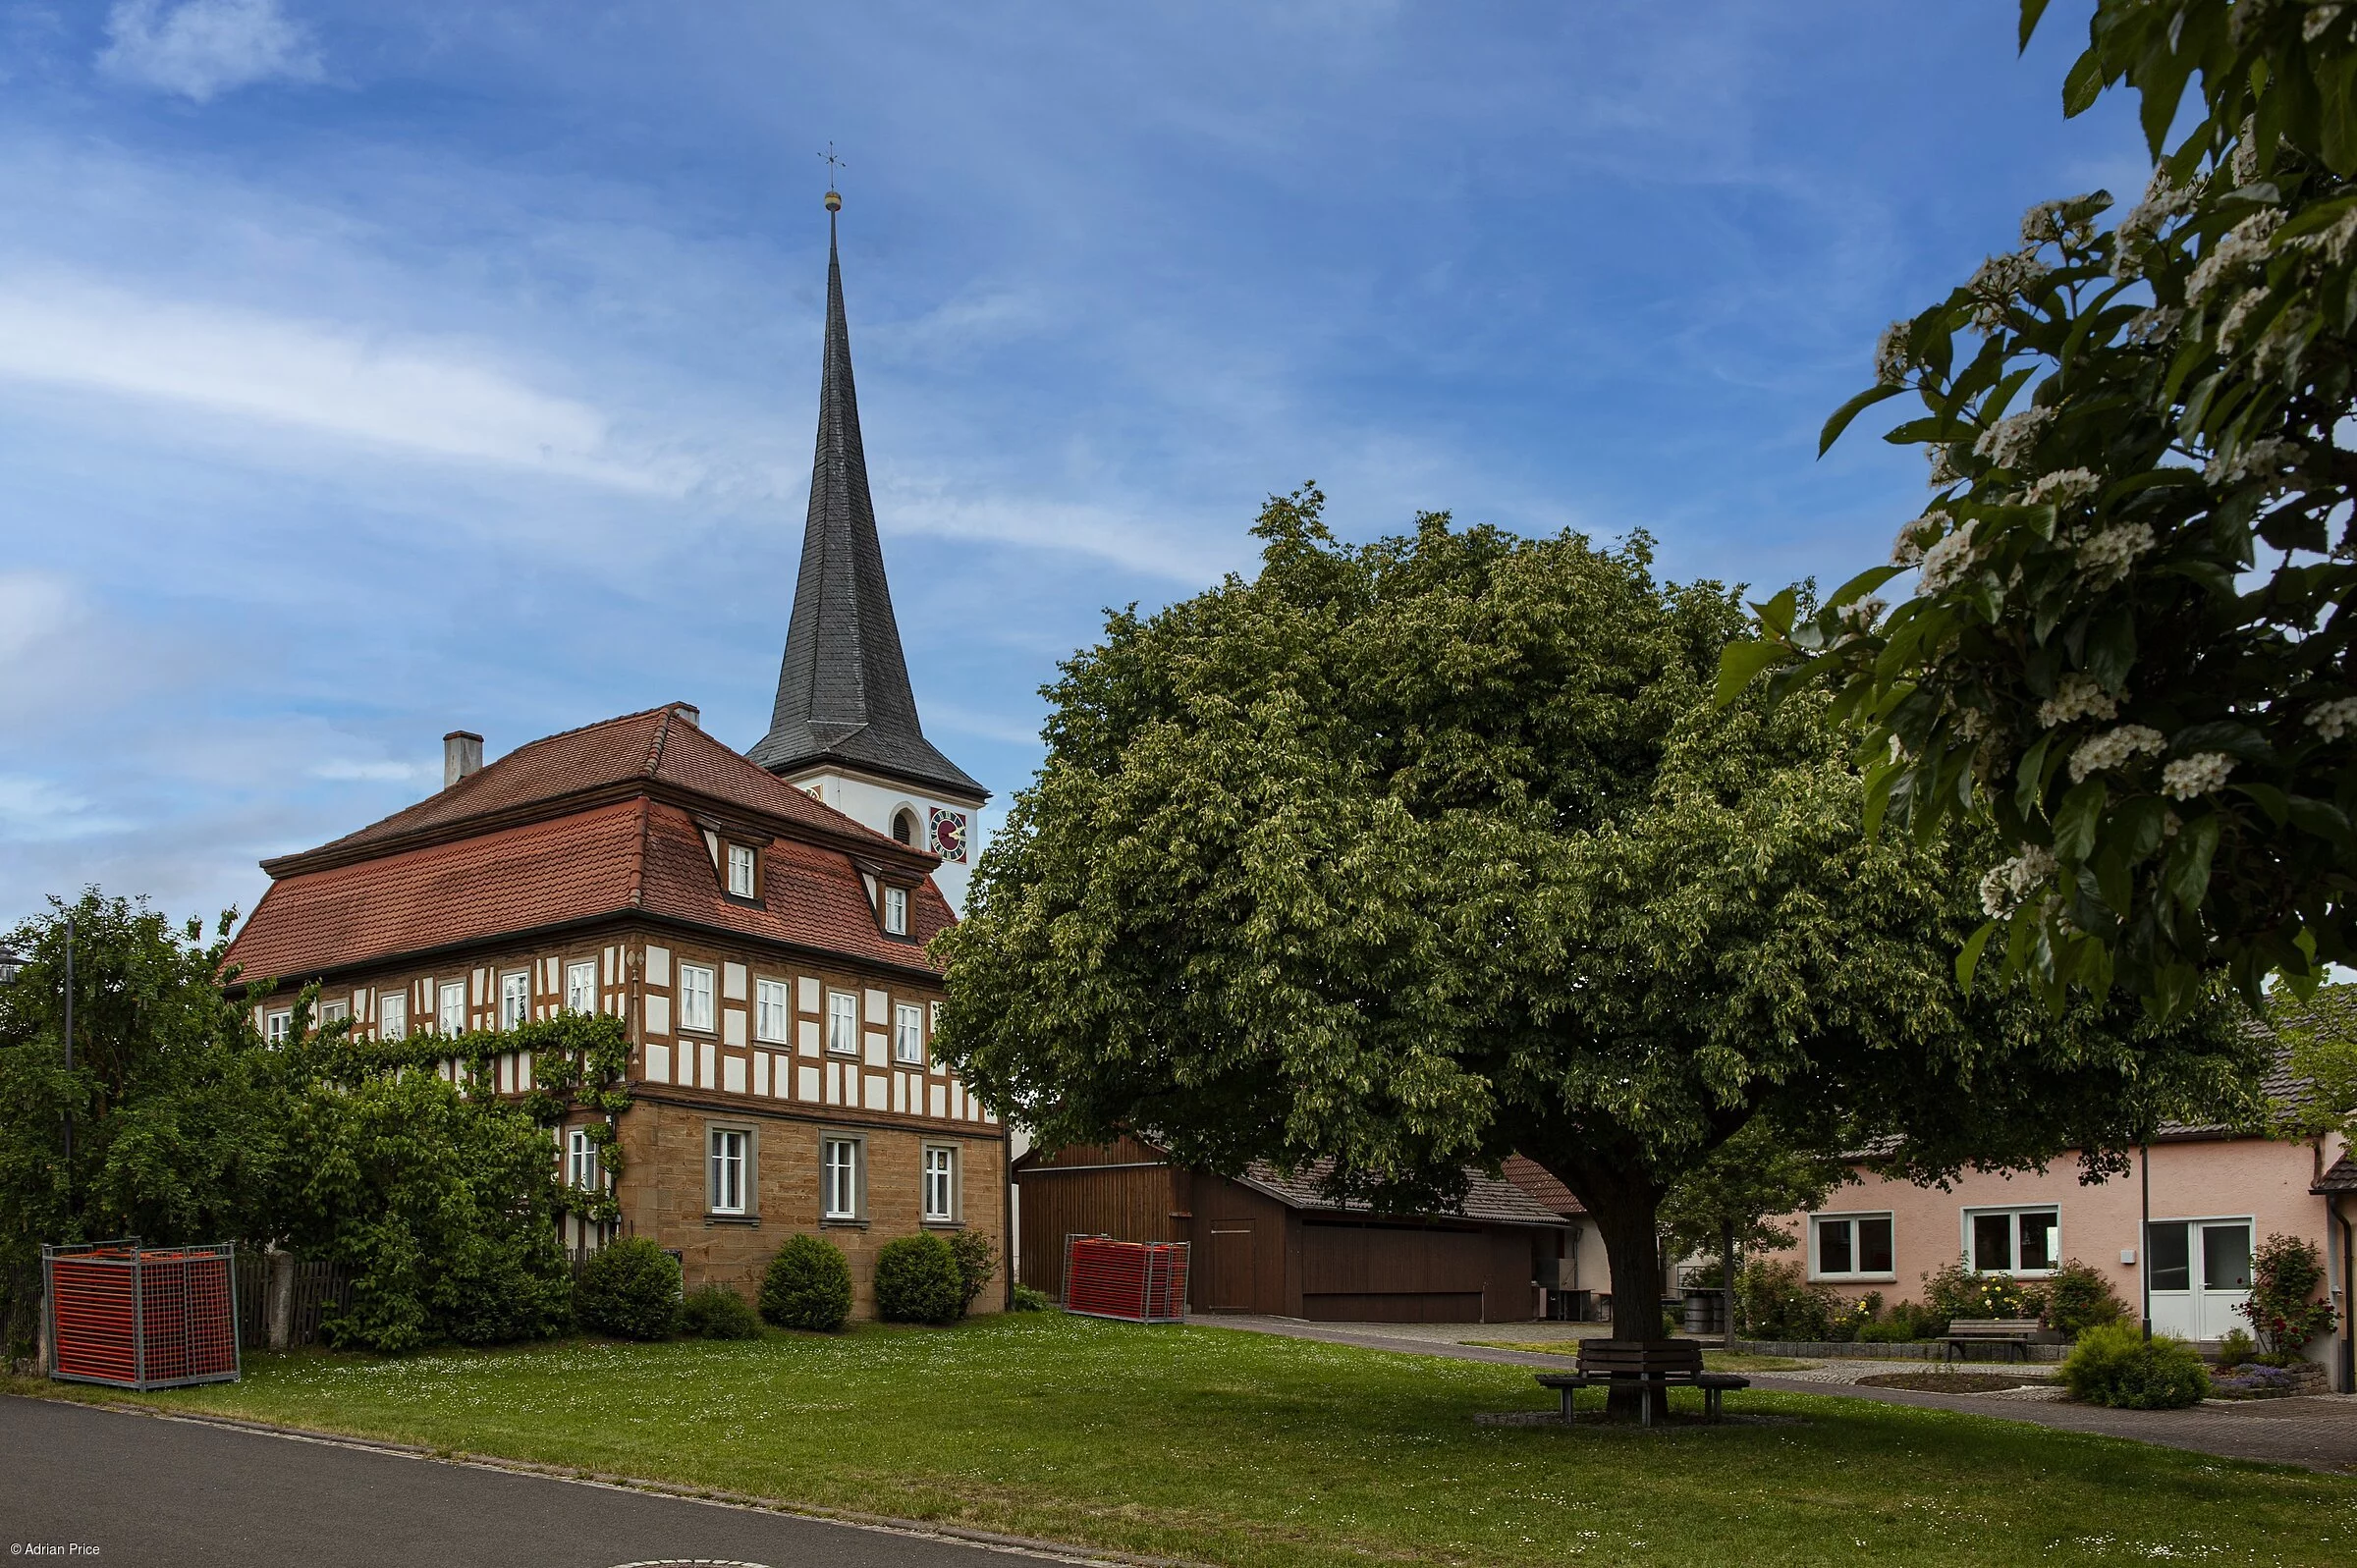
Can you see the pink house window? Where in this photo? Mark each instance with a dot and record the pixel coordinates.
(1852, 1246)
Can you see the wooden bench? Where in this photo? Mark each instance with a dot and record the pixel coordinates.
(1654, 1365)
(2011, 1332)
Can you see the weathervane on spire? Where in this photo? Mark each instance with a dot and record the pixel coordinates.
(834, 196)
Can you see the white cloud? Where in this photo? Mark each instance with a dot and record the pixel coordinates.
(202, 48)
(35, 810)
(33, 608)
(426, 400)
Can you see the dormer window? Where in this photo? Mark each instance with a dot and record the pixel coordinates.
(740, 871)
(896, 911)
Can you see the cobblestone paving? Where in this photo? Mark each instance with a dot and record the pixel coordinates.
(2317, 1431)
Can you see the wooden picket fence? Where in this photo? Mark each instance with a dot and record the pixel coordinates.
(321, 1291)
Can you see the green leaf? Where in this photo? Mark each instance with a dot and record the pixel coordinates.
(2272, 800)
(2187, 878)
(1849, 411)
(1776, 614)
(1864, 583)
(2075, 823)
(1971, 959)
(2082, 84)
(1740, 663)
(2031, 11)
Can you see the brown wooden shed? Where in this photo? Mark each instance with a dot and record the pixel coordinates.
(1267, 1243)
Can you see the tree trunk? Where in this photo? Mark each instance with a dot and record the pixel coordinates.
(1726, 1276)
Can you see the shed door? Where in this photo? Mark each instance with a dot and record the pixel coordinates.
(1227, 1280)
(2201, 1275)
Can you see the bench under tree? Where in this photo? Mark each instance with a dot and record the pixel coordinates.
(1653, 1365)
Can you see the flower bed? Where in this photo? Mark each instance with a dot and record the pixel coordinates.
(2252, 1380)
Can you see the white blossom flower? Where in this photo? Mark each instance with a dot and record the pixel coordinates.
(2066, 488)
(2009, 882)
(2009, 442)
(2057, 223)
(1908, 548)
(2266, 458)
(1945, 562)
(2239, 319)
(2078, 695)
(1999, 281)
(1973, 725)
(2313, 27)
(1943, 467)
(2283, 340)
(2238, 251)
(2197, 775)
(1862, 613)
(2106, 555)
(1893, 358)
(2156, 325)
(2112, 749)
(2334, 719)
(2244, 163)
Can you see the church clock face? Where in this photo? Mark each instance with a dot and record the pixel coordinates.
(949, 835)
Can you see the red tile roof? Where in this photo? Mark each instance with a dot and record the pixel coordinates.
(461, 868)
(1535, 1179)
(657, 746)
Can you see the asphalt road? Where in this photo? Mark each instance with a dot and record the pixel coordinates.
(146, 1491)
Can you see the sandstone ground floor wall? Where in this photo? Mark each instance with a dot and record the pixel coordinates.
(666, 1189)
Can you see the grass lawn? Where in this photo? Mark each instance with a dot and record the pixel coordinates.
(1241, 1448)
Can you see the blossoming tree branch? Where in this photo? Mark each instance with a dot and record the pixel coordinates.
(2126, 645)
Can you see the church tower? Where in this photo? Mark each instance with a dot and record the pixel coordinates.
(844, 727)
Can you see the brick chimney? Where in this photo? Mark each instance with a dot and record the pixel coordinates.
(461, 754)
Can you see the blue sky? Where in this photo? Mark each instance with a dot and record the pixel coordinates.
(371, 371)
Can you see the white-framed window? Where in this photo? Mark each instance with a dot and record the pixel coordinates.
(695, 996)
(580, 985)
(729, 1153)
(740, 870)
(393, 1015)
(773, 1011)
(450, 1008)
(581, 1171)
(2013, 1241)
(839, 1178)
(941, 1184)
(896, 911)
(278, 1027)
(514, 999)
(334, 1012)
(908, 1035)
(1850, 1247)
(843, 1022)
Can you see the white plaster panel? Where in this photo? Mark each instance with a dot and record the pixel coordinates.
(732, 1073)
(876, 1050)
(899, 1090)
(805, 1083)
(834, 1083)
(731, 1025)
(732, 981)
(806, 994)
(879, 1006)
(658, 1014)
(879, 1092)
(761, 1072)
(708, 1079)
(658, 1063)
(806, 1035)
(938, 1097)
(658, 966)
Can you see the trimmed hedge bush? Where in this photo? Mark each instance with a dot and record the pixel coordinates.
(629, 1289)
(718, 1313)
(2113, 1364)
(808, 1286)
(918, 1281)
(2079, 1297)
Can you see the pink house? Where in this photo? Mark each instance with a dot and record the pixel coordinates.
(2182, 1222)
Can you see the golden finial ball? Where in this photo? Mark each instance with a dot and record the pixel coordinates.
(834, 201)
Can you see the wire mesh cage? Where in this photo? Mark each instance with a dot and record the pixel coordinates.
(136, 1317)
(1137, 1281)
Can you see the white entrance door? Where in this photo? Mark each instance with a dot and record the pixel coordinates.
(2201, 1272)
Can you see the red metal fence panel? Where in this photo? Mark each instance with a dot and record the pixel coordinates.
(1137, 1281)
(141, 1317)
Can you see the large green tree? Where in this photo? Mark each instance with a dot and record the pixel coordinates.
(2126, 646)
(1405, 856)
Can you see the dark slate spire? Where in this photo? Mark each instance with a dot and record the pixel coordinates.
(843, 690)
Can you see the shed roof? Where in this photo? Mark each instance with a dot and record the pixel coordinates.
(1487, 1199)
(2341, 1177)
